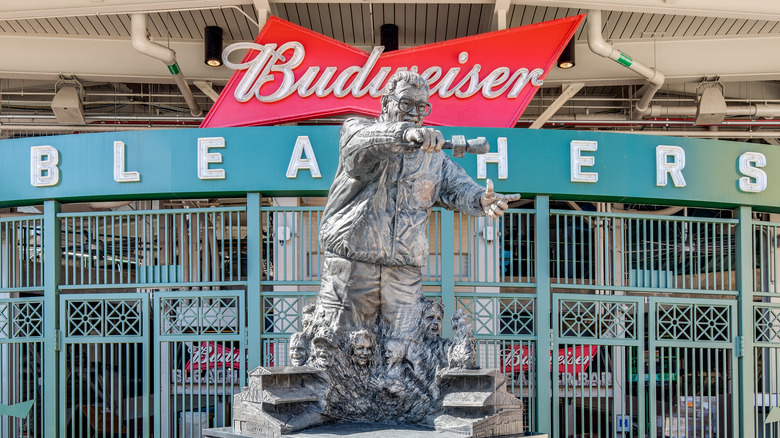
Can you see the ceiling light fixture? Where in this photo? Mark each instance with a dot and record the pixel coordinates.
(566, 59)
(212, 42)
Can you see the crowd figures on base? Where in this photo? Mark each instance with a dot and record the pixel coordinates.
(370, 377)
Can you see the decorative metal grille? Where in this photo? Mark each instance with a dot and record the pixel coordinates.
(27, 319)
(212, 314)
(767, 323)
(21, 318)
(499, 314)
(104, 317)
(693, 322)
(284, 314)
(597, 319)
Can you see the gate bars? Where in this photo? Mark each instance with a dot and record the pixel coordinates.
(530, 281)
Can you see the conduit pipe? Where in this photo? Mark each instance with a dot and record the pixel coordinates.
(765, 110)
(141, 43)
(597, 44)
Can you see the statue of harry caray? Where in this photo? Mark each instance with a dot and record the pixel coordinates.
(371, 345)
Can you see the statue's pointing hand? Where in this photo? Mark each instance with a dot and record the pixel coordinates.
(430, 139)
(494, 203)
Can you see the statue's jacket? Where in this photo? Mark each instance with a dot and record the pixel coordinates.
(378, 206)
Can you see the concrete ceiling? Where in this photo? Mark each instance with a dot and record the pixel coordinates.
(688, 40)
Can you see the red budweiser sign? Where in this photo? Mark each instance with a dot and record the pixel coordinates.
(210, 355)
(290, 73)
(570, 360)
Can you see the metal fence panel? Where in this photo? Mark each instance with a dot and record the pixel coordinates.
(766, 372)
(200, 359)
(21, 253)
(692, 367)
(595, 342)
(644, 253)
(138, 249)
(21, 354)
(104, 378)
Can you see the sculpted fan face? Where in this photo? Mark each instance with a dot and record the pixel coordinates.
(322, 355)
(298, 354)
(433, 324)
(392, 106)
(363, 351)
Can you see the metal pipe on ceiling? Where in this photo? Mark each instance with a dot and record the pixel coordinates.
(765, 110)
(597, 44)
(141, 43)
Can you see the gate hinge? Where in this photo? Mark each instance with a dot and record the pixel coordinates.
(551, 340)
(738, 346)
(57, 335)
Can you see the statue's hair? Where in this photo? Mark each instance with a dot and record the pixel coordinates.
(433, 306)
(354, 336)
(296, 338)
(324, 334)
(410, 78)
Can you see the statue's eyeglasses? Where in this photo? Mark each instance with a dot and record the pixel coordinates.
(407, 105)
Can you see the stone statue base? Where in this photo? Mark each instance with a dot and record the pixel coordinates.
(282, 400)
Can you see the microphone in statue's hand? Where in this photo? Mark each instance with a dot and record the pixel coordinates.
(460, 146)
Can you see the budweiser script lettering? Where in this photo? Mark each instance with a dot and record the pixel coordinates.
(575, 359)
(209, 355)
(356, 80)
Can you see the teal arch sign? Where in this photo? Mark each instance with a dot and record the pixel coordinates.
(574, 165)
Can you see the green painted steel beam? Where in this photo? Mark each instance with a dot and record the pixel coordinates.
(543, 393)
(51, 299)
(744, 249)
(254, 264)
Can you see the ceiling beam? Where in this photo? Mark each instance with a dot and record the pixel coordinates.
(263, 9)
(749, 10)
(499, 14)
(28, 9)
(568, 91)
(114, 60)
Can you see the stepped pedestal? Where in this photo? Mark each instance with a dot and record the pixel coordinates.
(477, 404)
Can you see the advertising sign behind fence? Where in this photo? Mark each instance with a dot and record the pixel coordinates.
(575, 359)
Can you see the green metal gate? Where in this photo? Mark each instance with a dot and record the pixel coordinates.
(199, 359)
(692, 365)
(596, 340)
(105, 356)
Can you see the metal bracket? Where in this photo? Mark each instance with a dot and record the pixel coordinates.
(57, 341)
(738, 346)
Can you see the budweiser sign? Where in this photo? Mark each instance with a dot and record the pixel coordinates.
(210, 355)
(290, 73)
(570, 360)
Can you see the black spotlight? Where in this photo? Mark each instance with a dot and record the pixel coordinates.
(566, 60)
(212, 42)
(388, 36)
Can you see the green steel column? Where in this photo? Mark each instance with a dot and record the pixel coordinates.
(52, 262)
(447, 270)
(543, 393)
(254, 265)
(745, 347)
